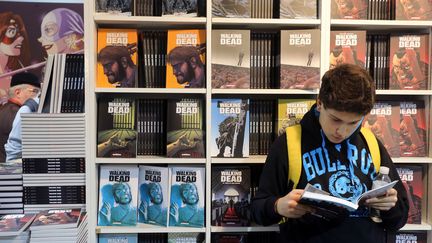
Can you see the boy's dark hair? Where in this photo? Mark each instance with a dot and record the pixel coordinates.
(348, 88)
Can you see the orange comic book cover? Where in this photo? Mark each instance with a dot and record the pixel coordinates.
(186, 59)
(347, 47)
(116, 58)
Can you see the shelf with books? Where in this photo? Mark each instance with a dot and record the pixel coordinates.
(264, 23)
(215, 229)
(255, 159)
(149, 91)
(141, 228)
(209, 23)
(381, 24)
(419, 227)
(150, 160)
(153, 21)
(259, 92)
(413, 160)
(404, 92)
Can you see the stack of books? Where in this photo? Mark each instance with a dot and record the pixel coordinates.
(63, 225)
(11, 188)
(53, 135)
(14, 228)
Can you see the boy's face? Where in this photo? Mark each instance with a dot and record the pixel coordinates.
(337, 125)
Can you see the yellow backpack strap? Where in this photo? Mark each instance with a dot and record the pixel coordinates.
(293, 134)
(372, 144)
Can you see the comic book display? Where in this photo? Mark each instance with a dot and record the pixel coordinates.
(116, 131)
(231, 59)
(230, 128)
(230, 196)
(117, 58)
(118, 195)
(187, 196)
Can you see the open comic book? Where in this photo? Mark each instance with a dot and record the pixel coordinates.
(323, 200)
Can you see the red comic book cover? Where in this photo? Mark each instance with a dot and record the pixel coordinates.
(383, 121)
(413, 9)
(412, 129)
(349, 9)
(409, 62)
(411, 177)
(14, 224)
(347, 47)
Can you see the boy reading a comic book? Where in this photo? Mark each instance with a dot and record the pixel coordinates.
(332, 150)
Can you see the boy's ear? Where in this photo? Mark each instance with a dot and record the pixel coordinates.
(319, 104)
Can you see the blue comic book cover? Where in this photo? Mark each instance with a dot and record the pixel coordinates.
(187, 196)
(118, 195)
(230, 128)
(153, 198)
(114, 238)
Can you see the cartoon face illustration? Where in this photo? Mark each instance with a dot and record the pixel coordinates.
(62, 31)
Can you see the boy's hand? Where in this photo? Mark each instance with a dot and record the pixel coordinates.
(288, 206)
(385, 202)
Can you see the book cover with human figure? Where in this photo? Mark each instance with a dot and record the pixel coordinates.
(412, 129)
(298, 9)
(383, 121)
(153, 197)
(409, 62)
(407, 237)
(185, 132)
(231, 188)
(413, 9)
(56, 219)
(117, 58)
(15, 224)
(291, 111)
(231, 8)
(118, 195)
(230, 128)
(300, 59)
(32, 30)
(187, 198)
(116, 131)
(349, 9)
(231, 59)
(186, 59)
(347, 47)
(179, 8)
(412, 179)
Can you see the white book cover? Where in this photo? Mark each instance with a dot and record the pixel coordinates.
(187, 196)
(231, 59)
(153, 198)
(118, 195)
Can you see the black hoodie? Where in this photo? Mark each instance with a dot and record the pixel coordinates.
(345, 170)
